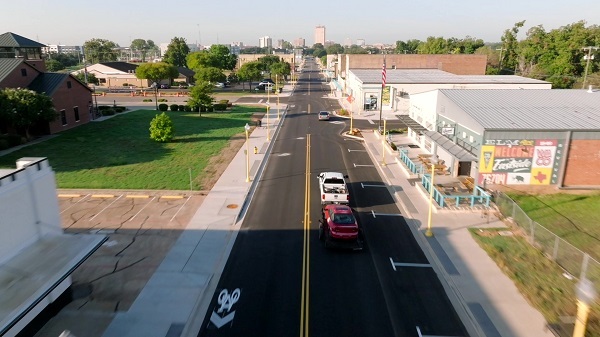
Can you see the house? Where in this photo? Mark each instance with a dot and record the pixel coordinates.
(119, 74)
(504, 136)
(22, 66)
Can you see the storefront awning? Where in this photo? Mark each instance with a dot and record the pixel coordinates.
(457, 151)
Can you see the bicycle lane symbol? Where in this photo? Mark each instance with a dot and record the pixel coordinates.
(222, 313)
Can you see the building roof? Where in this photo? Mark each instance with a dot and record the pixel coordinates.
(535, 109)
(48, 82)
(427, 76)
(7, 66)
(121, 66)
(17, 41)
(186, 72)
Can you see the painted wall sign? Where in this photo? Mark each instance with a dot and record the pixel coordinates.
(448, 131)
(520, 161)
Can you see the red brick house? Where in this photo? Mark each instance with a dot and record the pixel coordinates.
(22, 66)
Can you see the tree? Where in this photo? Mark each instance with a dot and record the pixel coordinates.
(287, 45)
(201, 96)
(91, 78)
(354, 49)
(26, 107)
(334, 49)
(509, 47)
(251, 71)
(217, 56)
(53, 65)
(408, 47)
(281, 69)
(209, 74)
(161, 128)
(177, 52)
(100, 50)
(156, 72)
(142, 46)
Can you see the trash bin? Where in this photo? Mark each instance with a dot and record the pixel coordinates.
(280, 89)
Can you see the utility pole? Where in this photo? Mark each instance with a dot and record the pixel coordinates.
(587, 57)
(501, 49)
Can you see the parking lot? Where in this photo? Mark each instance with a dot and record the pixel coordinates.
(141, 229)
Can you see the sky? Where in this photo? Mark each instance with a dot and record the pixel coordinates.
(72, 22)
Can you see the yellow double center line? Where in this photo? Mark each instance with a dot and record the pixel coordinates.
(306, 249)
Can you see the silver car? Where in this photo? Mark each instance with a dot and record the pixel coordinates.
(324, 115)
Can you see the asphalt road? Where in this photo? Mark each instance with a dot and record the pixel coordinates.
(278, 281)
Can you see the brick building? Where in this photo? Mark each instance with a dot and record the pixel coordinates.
(512, 137)
(22, 66)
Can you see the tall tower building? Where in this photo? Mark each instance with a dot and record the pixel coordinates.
(320, 35)
(265, 42)
(299, 42)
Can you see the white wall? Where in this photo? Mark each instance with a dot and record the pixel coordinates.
(27, 215)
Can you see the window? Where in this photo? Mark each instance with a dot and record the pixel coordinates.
(69, 84)
(76, 112)
(471, 139)
(23, 72)
(63, 117)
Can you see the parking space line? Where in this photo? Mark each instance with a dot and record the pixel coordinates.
(136, 214)
(82, 199)
(171, 196)
(188, 199)
(92, 218)
(102, 196)
(69, 195)
(137, 196)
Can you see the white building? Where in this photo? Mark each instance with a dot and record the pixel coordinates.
(36, 257)
(62, 49)
(360, 42)
(265, 42)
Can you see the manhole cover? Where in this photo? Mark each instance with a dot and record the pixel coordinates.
(232, 206)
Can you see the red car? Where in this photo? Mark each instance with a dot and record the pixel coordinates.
(338, 227)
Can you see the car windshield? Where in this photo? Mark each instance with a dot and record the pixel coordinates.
(324, 113)
(344, 219)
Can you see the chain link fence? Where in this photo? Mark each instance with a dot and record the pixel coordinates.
(571, 259)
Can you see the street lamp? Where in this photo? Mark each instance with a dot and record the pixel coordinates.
(429, 233)
(585, 297)
(247, 128)
(383, 143)
(155, 86)
(268, 135)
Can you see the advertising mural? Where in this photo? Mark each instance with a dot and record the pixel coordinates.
(519, 161)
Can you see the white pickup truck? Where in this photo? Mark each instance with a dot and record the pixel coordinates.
(333, 188)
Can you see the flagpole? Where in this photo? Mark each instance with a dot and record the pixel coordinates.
(383, 75)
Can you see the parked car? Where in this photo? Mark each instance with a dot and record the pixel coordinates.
(324, 115)
(220, 85)
(165, 86)
(267, 81)
(262, 87)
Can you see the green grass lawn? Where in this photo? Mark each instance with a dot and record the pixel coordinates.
(118, 153)
(574, 218)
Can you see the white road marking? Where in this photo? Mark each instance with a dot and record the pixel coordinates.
(260, 101)
(373, 212)
(350, 150)
(367, 185)
(188, 199)
(110, 243)
(148, 203)
(385, 214)
(371, 121)
(414, 265)
(283, 154)
(393, 265)
(87, 195)
(357, 165)
(92, 218)
(337, 122)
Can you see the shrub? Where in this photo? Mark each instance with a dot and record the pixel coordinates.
(104, 107)
(13, 140)
(3, 144)
(161, 128)
(224, 101)
(187, 108)
(174, 107)
(209, 108)
(108, 112)
(181, 107)
(220, 107)
(162, 100)
(163, 107)
(343, 112)
(147, 100)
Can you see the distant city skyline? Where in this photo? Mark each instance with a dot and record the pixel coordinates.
(72, 22)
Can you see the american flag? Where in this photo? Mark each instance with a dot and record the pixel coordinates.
(383, 74)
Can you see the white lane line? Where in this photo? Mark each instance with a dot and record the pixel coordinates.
(386, 214)
(140, 211)
(188, 199)
(92, 218)
(371, 121)
(260, 101)
(416, 265)
(373, 212)
(393, 265)
(367, 185)
(421, 335)
(363, 165)
(349, 150)
(87, 195)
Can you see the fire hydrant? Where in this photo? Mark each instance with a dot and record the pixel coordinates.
(255, 150)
